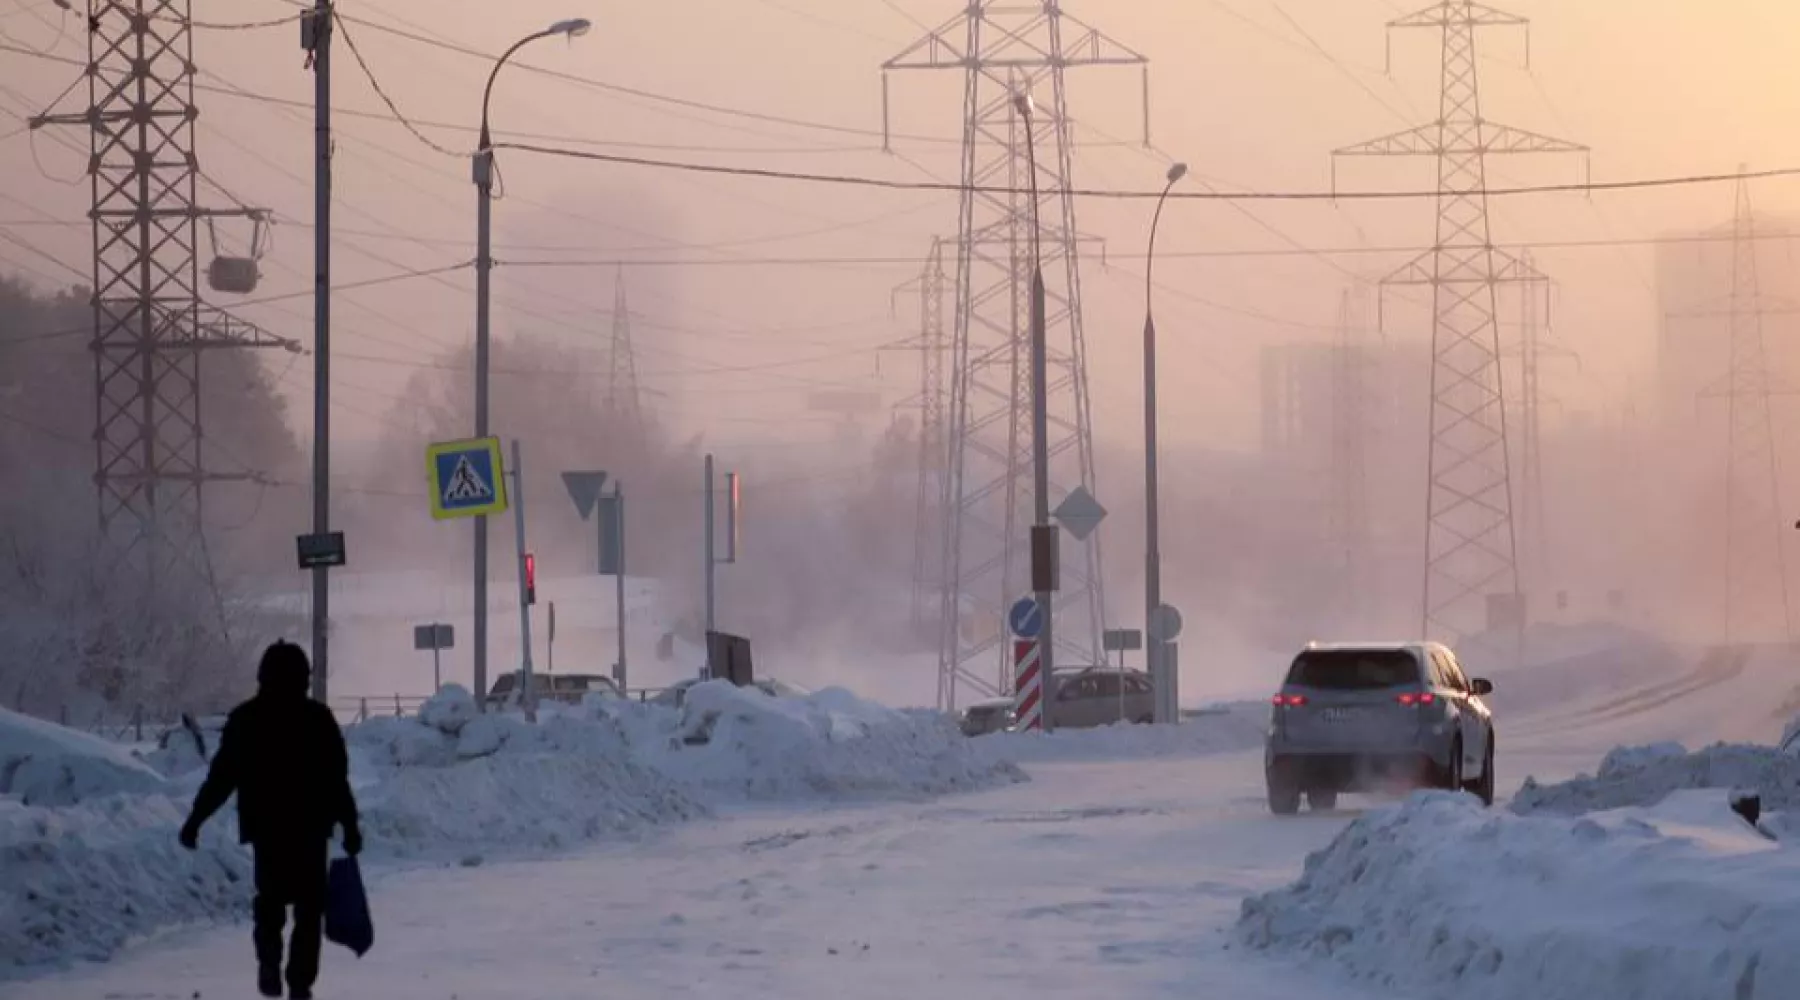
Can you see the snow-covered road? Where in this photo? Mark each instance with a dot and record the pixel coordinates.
(1095, 879)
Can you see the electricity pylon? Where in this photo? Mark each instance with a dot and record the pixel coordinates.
(1471, 555)
(150, 325)
(1757, 603)
(933, 461)
(1536, 345)
(624, 404)
(1005, 48)
(1349, 520)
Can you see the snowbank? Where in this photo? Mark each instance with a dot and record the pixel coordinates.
(1235, 726)
(42, 763)
(1437, 895)
(78, 882)
(1641, 776)
(738, 744)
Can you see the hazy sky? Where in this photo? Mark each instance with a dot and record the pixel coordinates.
(1252, 93)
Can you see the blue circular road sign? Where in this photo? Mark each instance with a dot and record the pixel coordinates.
(1026, 619)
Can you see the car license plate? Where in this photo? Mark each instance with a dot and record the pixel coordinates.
(1339, 714)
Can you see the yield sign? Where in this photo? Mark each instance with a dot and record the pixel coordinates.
(584, 489)
(1079, 513)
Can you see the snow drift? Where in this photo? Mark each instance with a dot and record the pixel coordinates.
(43, 764)
(1682, 901)
(78, 881)
(1642, 776)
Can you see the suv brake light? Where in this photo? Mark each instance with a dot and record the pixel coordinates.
(1420, 698)
(1289, 700)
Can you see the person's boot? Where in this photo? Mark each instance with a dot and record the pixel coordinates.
(268, 980)
(300, 993)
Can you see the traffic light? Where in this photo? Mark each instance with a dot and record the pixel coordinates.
(530, 578)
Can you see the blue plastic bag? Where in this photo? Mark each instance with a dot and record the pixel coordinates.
(347, 919)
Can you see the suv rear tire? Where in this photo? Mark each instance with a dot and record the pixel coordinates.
(1321, 799)
(1483, 787)
(1451, 778)
(1284, 800)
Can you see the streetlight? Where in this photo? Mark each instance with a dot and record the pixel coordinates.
(1043, 535)
(484, 266)
(1154, 647)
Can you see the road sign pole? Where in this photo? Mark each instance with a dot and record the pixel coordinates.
(619, 535)
(437, 669)
(711, 562)
(1040, 455)
(518, 502)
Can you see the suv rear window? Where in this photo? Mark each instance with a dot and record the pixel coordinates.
(1354, 669)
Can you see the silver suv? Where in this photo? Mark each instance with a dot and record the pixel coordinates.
(1358, 717)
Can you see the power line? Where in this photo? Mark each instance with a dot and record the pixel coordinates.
(226, 25)
(853, 180)
(616, 88)
(388, 118)
(369, 74)
(1243, 252)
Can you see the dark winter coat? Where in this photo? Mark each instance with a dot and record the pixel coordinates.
(284, 756)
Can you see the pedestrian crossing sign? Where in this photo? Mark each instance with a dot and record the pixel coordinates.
(467, 479)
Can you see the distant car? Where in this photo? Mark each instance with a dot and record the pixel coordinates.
(568, 689)
(995, 715)
(675, 695)
(1358, 717)
(1086, 697)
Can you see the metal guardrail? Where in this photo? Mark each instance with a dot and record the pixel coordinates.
(362, 708)
(141, 727)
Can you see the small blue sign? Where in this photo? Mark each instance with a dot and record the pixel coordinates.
(1026, 619)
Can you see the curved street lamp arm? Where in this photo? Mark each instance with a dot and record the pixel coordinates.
(488, 92)
(1150, 255)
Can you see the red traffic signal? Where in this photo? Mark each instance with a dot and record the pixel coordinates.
(530, 578)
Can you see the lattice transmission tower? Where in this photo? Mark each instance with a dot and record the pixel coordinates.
(1350, 433)
(1004, 48)
(1758, 607)
(1536, 345)
(933, 346)
(1471, 554)
(150, 325)
(623, 406)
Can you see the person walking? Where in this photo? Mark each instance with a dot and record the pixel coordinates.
(284, 756)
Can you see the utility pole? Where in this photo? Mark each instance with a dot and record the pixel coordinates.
(1471, 549)
(316, 30)
(1044, 539)
(1003, 48)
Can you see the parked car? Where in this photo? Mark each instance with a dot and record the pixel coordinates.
(1100, 696)
(994, 715)
(568, 689)
(675, 695)
(1359, 717)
